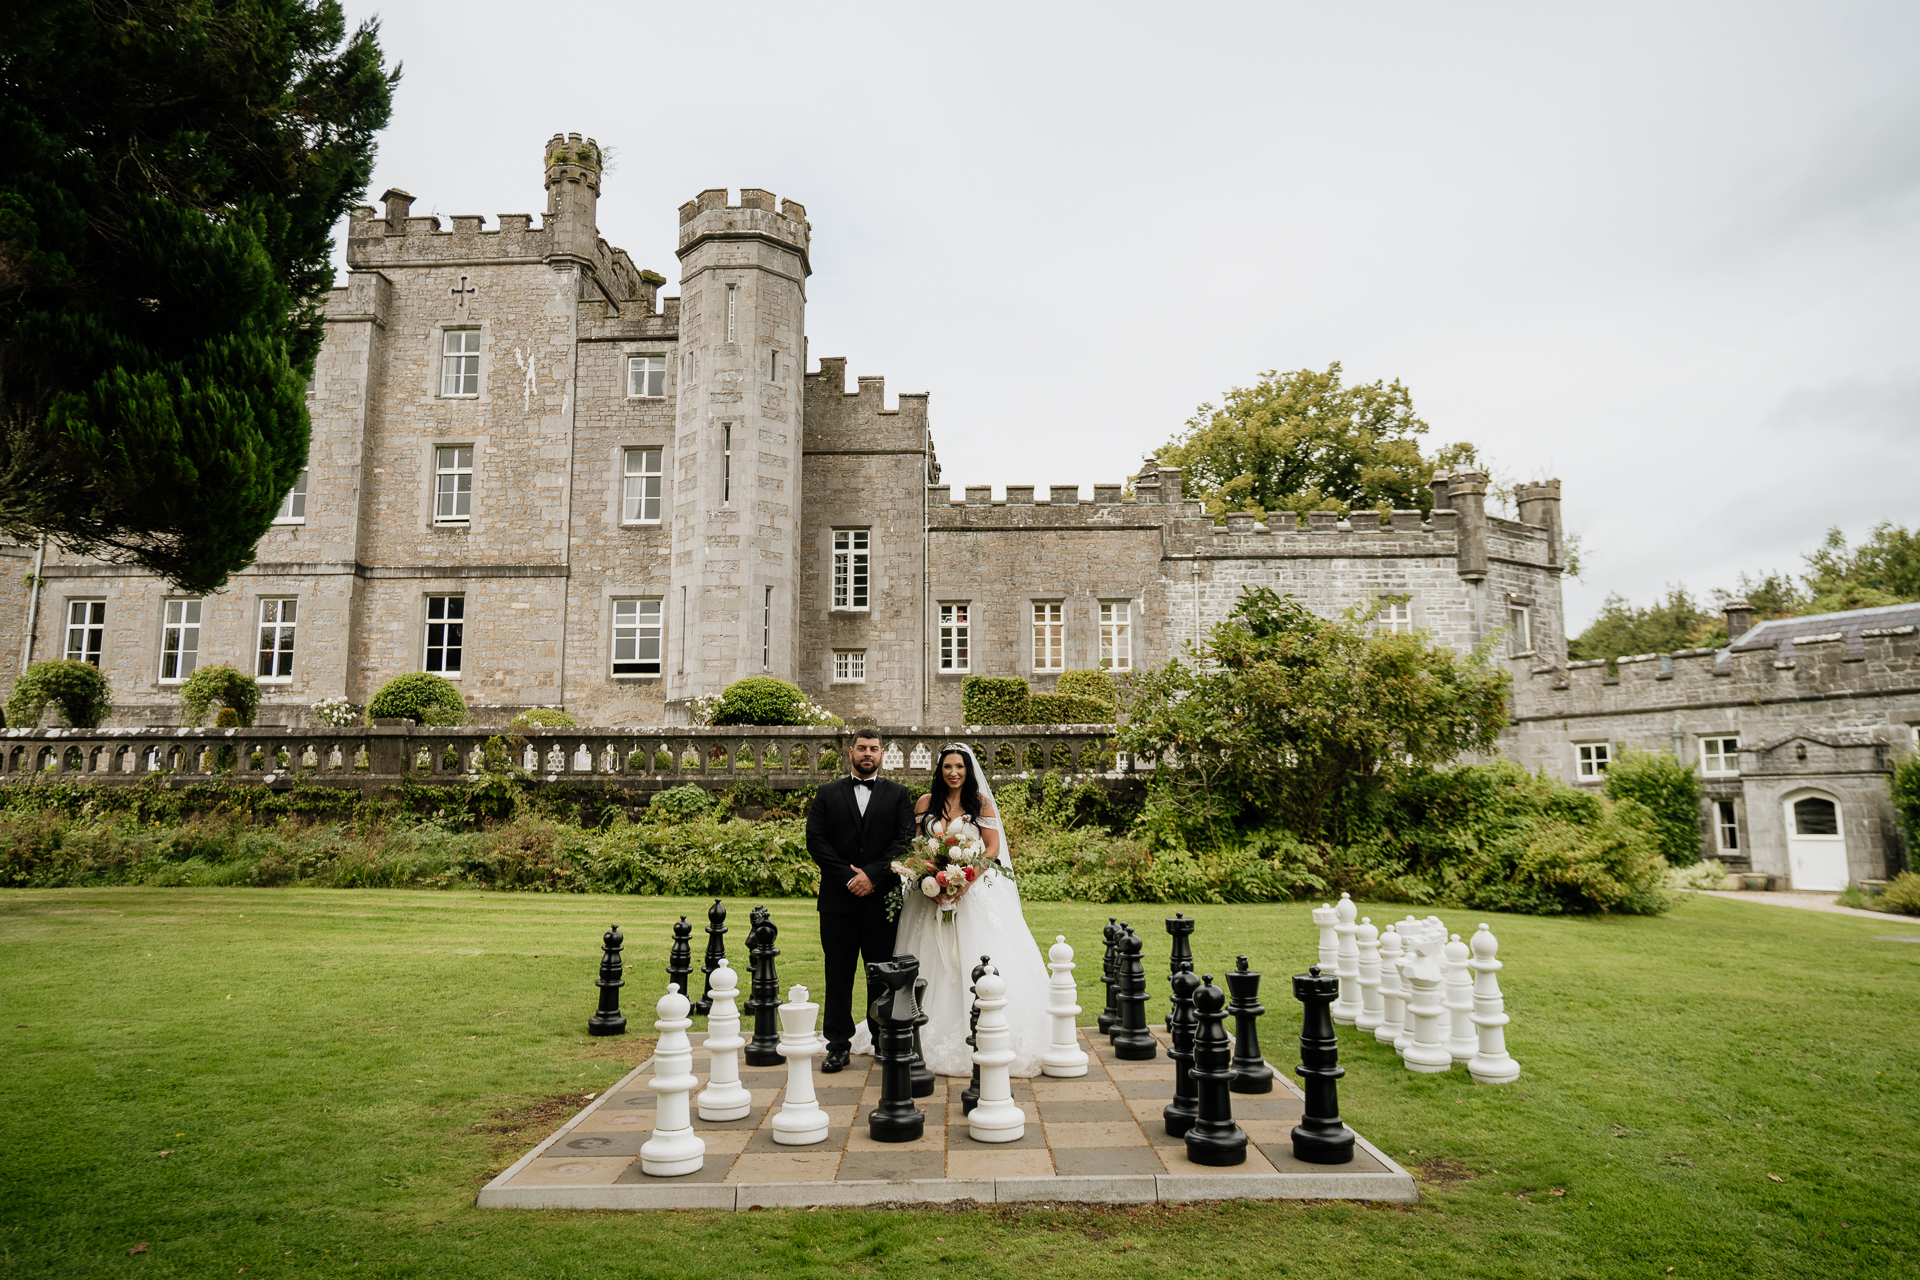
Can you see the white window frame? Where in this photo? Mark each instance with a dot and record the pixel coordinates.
(1720, 756)
(293, 507)
(273, 655)
(1519, 628)
(1116, 635)
(852, 569)
(1726, 827)
(641, 486)
(453, 484)
(1590, 760)
(1049, 635)
(179, 639)
(459, 364)
(726, 462)
(733, 307)
(849, 666)
(1394, 619)
(636, 621)
(956, 637)
(86, 630)
(445, 614)
(647, 376)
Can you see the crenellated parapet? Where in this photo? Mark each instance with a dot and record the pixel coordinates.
(758, 216)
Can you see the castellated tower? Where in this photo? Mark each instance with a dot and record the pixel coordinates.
(735, 484)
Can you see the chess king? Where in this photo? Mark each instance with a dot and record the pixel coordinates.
(856, 826)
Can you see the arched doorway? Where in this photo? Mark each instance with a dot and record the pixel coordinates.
(1816, 842)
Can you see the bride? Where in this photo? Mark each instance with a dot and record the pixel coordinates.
(986, 921)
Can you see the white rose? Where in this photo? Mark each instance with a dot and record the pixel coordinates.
(930, 887)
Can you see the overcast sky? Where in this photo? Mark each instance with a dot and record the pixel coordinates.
(1668, 253)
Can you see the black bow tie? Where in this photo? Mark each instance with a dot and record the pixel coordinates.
(863, 782)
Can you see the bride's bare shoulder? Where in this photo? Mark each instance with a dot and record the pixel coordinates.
(920, 805)
(987, 810)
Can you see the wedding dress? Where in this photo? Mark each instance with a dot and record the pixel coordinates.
(987, 921)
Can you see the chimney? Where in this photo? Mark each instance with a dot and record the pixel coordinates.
(399, 204)
(1439, 486)
(1739, 618)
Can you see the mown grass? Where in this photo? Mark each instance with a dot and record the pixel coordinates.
(334, 1073)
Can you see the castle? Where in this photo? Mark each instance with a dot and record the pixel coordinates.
(531, 473)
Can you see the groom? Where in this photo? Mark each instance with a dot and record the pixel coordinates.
(856, 826)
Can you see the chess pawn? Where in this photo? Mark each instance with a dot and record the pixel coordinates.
(1490, 1063)
(996, 1119)
(1119, 988)
(1180, 928)
(724, 1098)
(1251, 1074)
(1064, 1058)
(764, 1004)
(1462, 1040)
(1214, 1138)
(922, 1076)
(1327, 920)
(716, 952)
(1109, 1016)
(1182, 1025)
(1320, 1137)
(1346, 1010)
(1408, 930)
(674, 1149)
(1372, 1012)
(680, 962)
(1132, 1041)
(970, 1096)
(1393, 1007)
(895, 1118)
(800, 1121)
(1427, 1053)
(608, 1020)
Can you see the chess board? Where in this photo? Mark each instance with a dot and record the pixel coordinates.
(1094, 1138)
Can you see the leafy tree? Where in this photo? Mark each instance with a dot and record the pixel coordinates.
(170, 173)
(1886, 564)
(1677, 622)
(1303, 441)
(1670, 793)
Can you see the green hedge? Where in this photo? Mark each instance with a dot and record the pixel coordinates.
(77, 690)
(223, 683)
(1670, 791)
(419, 696)
(1905, 788)
(1097, 684)
(544, 718)
(1069, 708)
(994, 700)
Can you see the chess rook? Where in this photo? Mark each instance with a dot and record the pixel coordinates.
(1064, 1058)
(922, 1076)
(716, 952)
(1321, 1137)
(800, 1121)
(1372, 1012)
(607, 1020)
(1214, 1138)
(970, 1096)
(1109, 1016)
(1490, 1065)
(1131, 1039)
(680, 962)
(1182, 1026)
(895, 1118)
(1393, 1007)
(1462, 1040)
(764, 1003)
(1346, 1010)
(675, 1149)
(996, 1119)
(1251, 1074)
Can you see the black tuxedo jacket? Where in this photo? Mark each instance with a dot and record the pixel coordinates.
(843, 841)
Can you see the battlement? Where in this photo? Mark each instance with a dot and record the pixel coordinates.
(758, 216)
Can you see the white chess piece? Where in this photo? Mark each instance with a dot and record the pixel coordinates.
(724, 1098)
(1428, 1052)
(995, 1118)
(800, 1120)
(1064, 1056)
(1462, 1042)
(1372, 1012)
(1346, 1009)
(674, 1149)
(1393, 1007)
(1325, 918)
(1410, 930)
(1490, 1065)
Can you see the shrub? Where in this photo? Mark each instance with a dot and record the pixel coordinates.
(227, 685)
(680, 804)
(544, 718)
(1670, 792)
(226, 718)
(1905, 786)
(1097, 684)
(1902, 894)
(77, 690)
(760, 700)
(994, 700)
(1704, 874)
(1069, 708)
(419, 696)
(335, 711)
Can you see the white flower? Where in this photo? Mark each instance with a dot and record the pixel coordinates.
(930, 887)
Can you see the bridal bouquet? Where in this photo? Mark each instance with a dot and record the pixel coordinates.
(944, 860)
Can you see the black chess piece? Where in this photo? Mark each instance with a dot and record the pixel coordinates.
(894, 1010)
(680, 955)
(1182, 1025)
(1131, 1039)
(1321, 1137)
(1119, 987)
(922, 1077)
(1251, 1074)
(1181, 958)
(608, 1020)
(1109, 1016)
(1214, 1138)
(970, 1096)
(716, 952)
(764, 1049)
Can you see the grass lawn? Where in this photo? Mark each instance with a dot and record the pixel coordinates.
(316, 1082)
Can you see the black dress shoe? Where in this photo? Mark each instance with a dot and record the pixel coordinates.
(836, 1061)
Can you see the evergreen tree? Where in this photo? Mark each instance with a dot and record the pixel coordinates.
(170, 173)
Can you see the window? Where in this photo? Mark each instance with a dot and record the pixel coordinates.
(1719, 757)
(1592, 759)
(646, 377)
(1395, 618)
(1815, 816)
(452, 484)
(1049, 636)
(293, 507)
(733, 297)
(179, 640)
(726, 463)
(1726, 830)
(766, 629)
(641, 502)
(851, 549)
(87, 630)
(956, 626)
(849, 666)
(446, 625)
(1520, 627)
(773, 366)
(1116, 635)
(636, 637)
(276, 639)
(460, 362)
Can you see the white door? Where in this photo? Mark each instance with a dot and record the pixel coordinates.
(1816, 847)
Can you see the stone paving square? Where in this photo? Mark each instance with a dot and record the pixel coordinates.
(1096, 1138)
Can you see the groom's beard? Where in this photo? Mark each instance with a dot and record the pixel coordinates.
(874, 774)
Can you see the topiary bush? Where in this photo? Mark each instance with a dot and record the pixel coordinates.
(994, 700)
(419, 696)
(79, 694)
(226, 718)
(222, 683)
(1097, 685)
(544, 718)
(760, 700)
(1670, 792)
(1069, 708)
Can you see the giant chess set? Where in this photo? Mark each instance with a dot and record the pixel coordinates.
(1121, 1113)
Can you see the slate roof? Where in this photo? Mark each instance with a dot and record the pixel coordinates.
(1782, 632)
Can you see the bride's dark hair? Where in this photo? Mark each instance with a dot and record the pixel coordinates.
(969, 787)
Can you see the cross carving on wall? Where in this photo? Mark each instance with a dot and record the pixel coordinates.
(461, 292)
